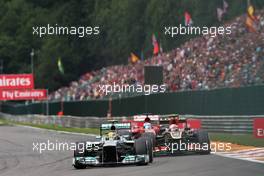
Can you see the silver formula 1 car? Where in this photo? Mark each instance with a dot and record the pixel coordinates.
(114, 146)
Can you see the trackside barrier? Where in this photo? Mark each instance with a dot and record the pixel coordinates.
(64, 121)
(223, 124)
(227, 124)
(228, 101)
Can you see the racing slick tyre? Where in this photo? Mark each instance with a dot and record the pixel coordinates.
(203, 139)
(79, 153)
(151, 136)
(79, 166)
(150, 148)
(142, 148)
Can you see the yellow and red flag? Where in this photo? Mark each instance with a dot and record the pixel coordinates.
(251, 19)
(133, 58)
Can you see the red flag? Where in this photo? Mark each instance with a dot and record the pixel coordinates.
(154, 39)
(188, 19)
(155, 45)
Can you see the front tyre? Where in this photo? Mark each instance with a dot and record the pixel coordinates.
(203, 139)
(79, 153)
(79, 166)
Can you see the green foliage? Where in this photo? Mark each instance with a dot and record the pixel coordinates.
(241, 139)
(125, 26)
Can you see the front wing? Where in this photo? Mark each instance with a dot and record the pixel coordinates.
(129, 159)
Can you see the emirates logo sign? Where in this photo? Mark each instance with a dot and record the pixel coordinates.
(20, 81)
(20, 87)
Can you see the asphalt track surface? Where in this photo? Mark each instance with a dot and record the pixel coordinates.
(17, 158)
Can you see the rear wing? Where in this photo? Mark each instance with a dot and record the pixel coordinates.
(183, 122)
(107, 126)
(141, 118)
(165, 119)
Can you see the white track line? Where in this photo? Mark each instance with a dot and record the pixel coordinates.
(238, 157)
(57, 131)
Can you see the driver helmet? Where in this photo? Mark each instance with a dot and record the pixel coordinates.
(173, 121)
(147, 119)
(147, 124)
(111, 135)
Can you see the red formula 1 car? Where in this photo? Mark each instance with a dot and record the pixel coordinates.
(145, 125)
(171, 134)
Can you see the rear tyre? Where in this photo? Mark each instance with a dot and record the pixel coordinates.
(203, 139)
(141, 148)
(150, 148)
(151, 136)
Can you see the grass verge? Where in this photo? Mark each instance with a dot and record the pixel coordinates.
(241, 139)
(54, 127)
(3, 122)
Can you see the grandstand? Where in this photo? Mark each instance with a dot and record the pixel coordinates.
(202, 63)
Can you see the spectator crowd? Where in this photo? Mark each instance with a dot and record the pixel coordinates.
(202, 63)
